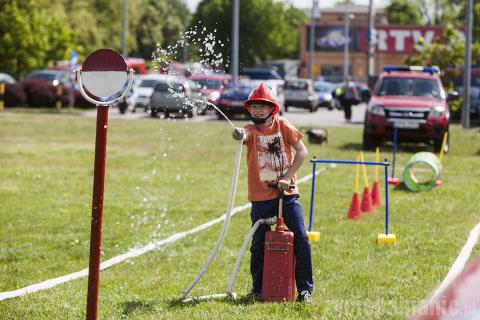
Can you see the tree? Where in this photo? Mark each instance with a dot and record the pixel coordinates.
(344, 3)
(448, 53)
(403, 12)
(476, 19)
(31, 37)
(268, 29)
(162, 28)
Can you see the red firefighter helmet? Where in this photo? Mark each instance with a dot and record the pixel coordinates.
(262, 94)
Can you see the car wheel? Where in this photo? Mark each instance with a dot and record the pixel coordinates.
(166, 115)
(153, 113)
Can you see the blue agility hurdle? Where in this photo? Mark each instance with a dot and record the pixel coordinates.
(382, 238)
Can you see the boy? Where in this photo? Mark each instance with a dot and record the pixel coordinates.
(269, 141)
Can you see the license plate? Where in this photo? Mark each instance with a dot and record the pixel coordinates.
(406, 125)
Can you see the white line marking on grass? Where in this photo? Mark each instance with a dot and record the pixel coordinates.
(47, 284)
(460, 262)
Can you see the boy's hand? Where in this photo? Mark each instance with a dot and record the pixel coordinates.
(238, 134)
(283, 185)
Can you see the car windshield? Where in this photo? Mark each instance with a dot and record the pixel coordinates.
(147, 83)
(322, 88)
(238, 88)
(296, 85)
(261, 74)
(168, 87)
(207, 83)
(43, 76)
(415, 87)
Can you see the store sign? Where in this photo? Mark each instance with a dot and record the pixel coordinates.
(331, 38)
(389, 39)
(398, 39)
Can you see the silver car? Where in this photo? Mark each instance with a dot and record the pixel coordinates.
(142, 90)
(299, 93)
(176, 96)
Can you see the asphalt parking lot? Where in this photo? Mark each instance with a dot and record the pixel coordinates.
(299, 117)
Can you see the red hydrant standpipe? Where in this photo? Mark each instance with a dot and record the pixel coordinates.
(278, 282)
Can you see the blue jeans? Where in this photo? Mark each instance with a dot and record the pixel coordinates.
(293, 217)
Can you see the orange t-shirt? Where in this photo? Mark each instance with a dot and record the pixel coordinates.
(269, 156)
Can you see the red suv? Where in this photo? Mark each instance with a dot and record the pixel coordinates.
(410, 99)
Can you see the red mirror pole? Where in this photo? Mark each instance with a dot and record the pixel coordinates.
(97, 211)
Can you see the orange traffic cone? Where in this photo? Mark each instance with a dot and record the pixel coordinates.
(376, 194)
(354, 213)
(366, 204)
(375, 188)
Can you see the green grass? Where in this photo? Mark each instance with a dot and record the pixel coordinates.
(165, 177)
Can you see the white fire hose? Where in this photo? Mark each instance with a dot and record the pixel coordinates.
(249, 236)
(233, 189)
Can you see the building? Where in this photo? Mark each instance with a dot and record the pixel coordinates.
(393, 43)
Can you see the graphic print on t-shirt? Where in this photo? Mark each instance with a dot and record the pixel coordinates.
(272, 158)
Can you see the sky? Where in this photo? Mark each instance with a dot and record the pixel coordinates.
(192, 4)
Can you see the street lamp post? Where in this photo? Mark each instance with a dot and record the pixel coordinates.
(124, 27)
(235, 36)
(313, 17)
(371, 41)
(346, 49)
(467, 76)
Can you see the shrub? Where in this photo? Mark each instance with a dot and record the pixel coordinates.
(40, 93)
(15, 95)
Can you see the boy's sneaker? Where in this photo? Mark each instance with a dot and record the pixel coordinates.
(305, 296)
(253, 297)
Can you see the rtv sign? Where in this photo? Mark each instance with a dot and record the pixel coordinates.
(400, 39)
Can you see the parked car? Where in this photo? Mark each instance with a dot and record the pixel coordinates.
(142, 90)
(54, 76)
(260, 74)
(323, 91)
(59, 76)
(5, 77)
(175, 95)
(412, 100)
(299, 93)
(474, 101)
(211, 85)
(364, 91)
(232, 99)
